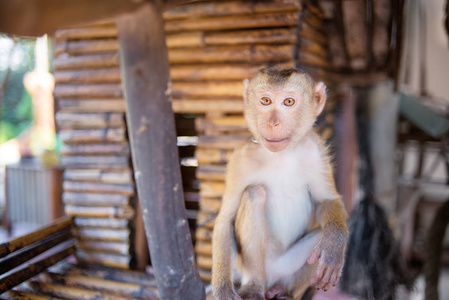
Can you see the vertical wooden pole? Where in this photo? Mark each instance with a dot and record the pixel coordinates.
(151, 129)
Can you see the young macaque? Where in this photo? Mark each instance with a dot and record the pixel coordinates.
(281, 216)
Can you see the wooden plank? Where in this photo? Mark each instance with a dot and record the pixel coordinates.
(107, 247)
(96, 150)
(228, 142)
(93, 61)
(91, 32)
(203, 106)
(210, 205)
(145, 68)
(106, 259)
(233, 22)
(93, 135)
(94, 199)
(86, 187)
(101, 223)
(19, 295)
(83, 47)
(111, 75)
(28, 239)
(206, 155)
(91, 105)
(198, 90)
(119, 212)
(103, 234)
(99, 176)
(222, 124)
(213, 71)
(98, 90)
(211, 172)
(95, 162)
(89, 121)
(212, 189)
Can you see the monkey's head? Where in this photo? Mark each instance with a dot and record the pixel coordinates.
(281, 106)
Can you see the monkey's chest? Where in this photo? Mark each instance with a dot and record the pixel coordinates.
(289, 208)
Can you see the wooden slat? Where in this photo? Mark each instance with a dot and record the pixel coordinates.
(91, 32)
(86, 187)
(99, 176)
(228, 142)
(107, 247)
(231, 123)
(104, 60)
(103, 234)
(19, 295)
(96, 150)
(203, 248)
(203, 106)
(93, 135)
(206, 155)
(91, 105)
(23, 241)
(212, 189)
(85, 199)
(98, 90)
(125, 212)
(83, 47)
(90, 121)
(106, 259)
(95, 162)
(210, 205)
(213, 72)
(211, 172)
(101, 223)
(232, 89)
(110, 75)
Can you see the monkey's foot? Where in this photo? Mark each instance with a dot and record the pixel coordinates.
(252, 291)
(277, 292)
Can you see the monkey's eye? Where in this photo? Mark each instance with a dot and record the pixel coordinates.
(265, 101)
(289, 101)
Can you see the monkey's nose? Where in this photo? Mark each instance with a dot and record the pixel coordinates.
(273, 124)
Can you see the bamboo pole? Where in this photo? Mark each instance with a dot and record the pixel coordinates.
(95, 162)
(85, 199)
(228, 142)
(106, 259)
(99, 176)
(204, 234)
(96, 149)
(29, 270)
(212, 189)
(198, 72)
(234, 22)
(28, 239)
(87, 187)
(230, 8)
(229, 123)
(204, 262)
(93, 32)
(203, 106)
(119, 212)
(18, 295)
(210, 205)
(110, 75)
(82, 47)
(232, 54)
(213, 156)
(20, 256)
(90, 121)
(203, 248)
(103, 60)
(206, 275)
(233, 89)
(206, 219)
(103, 234)
(91, 105)
(102, 223)
(98, 90)
(108, 247)
(211, 172)
(93, 135)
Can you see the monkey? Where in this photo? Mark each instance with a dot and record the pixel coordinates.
(282, 224)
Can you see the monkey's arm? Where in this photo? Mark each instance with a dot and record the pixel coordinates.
(222, 240)
(330, 251)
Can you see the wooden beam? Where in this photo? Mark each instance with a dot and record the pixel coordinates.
(151, 127)
(37, 17)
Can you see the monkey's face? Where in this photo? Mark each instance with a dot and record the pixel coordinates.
(280, 113)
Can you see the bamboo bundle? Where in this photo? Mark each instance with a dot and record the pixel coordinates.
(86, 187)
(97, 90)
(234, 22)
(107, 247)
(87, 46)
(203, 106)
(110, 260)
(101, 223)
(103, 234)
(213, 156)
(94, 150)
(104, 60)
(119, 212)
(92, 135)
(228, 89)
(26, 240)
(91, 105)
(95, 162)
(125, 290)
(99, 199)
(91, 121)
(230, 8)
(100, 176)
(232, 54)
(108, 75)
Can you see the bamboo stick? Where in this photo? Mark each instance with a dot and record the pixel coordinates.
(90, 121)
(28, 239)
(213, 156)
(108, 247)
(96, 149)
(93, 135)
(312, 19)
(312, 47)
(95, 162)
(313, 60)
(203, 248)
(233, 89)
(232, 54)
(206, 219)
(84, 199)
(312, 34)
(83, 47)
(230, 8)
(204, 262)
(212, 189)
(91, 105)
(99, 176)
(18, 295)
(97, 90)
(205, 275)
(29, 270)
(87, 33)
(213, 71)
(86, 187)
(126, 290)
(211, 172)
(101, 223)
(203, 106)
(210, 205)
(230, 123)
(234, 22)
(23, 255)
(94, 61)
(65, 292)
(204, 234)
(110, 260)
(103, 234)
(119, 212)
(110, 75)
(228, 142)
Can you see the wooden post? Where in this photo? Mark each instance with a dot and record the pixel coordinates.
(151, 126)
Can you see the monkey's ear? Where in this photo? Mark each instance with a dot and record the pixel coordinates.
(320, 97)
(245, 89)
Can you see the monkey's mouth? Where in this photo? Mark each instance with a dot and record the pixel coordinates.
(275, 141)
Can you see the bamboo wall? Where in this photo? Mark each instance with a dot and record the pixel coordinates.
(212, 46)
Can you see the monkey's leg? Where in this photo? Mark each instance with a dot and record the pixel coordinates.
(251, 231)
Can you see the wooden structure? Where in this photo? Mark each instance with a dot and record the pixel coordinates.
(210, 47)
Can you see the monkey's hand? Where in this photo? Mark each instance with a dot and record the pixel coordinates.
(330, 252)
